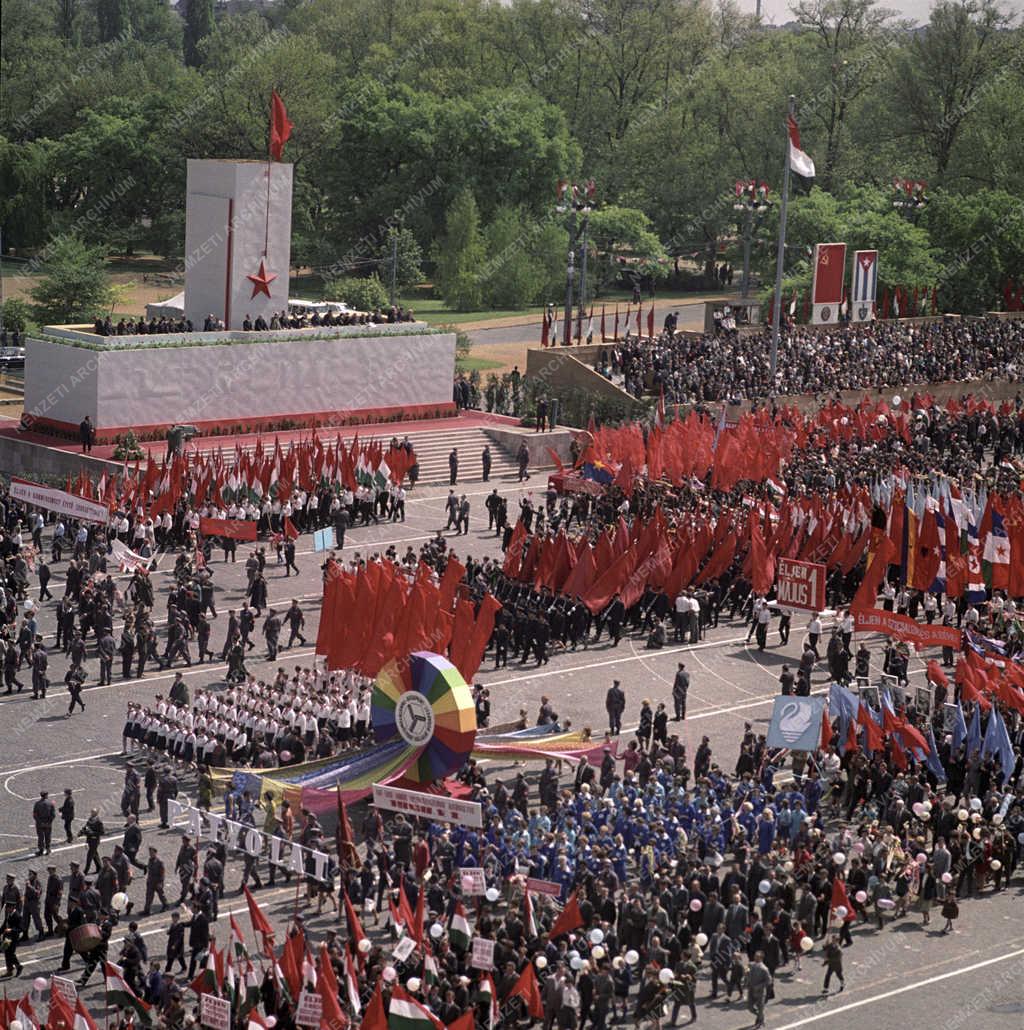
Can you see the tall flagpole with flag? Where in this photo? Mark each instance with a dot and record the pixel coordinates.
(799, 162)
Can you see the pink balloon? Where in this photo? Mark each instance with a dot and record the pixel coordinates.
(922, 858)
(696, 905)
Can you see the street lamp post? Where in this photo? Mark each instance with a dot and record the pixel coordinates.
(752, 200)
(575, 200)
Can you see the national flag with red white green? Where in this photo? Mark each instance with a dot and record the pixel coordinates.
(352, 984)
(230, 981)
(458, 932)
(489, 995)
(121, 996)
(250, 998)
(405, 1013)
(256, 1021)
(531, 922)
(208, 981)
(431, 975)
(237, 938)
(25, 1014)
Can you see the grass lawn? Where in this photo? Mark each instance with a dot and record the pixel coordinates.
(472, 364)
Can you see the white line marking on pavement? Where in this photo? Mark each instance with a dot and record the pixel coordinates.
(901, 990)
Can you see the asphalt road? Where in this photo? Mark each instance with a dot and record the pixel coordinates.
(902, 976)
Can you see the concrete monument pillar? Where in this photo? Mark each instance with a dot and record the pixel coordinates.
(238, 229)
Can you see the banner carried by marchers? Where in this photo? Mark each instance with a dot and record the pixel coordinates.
(902, 627)
(865, 285)
(800, 585)
(829, 276)
(40, 496)
(233, 529)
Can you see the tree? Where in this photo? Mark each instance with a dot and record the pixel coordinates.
(113, 19)
(616, 235)
(361, 294)
(459, 256)
(75, 287)
(945, 70)
(980, 237)
(15, 314)
(401, 244)
(846, 40)
(198, 25)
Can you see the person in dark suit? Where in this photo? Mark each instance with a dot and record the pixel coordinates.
(198, 939)
(453, 466)
(86, 434)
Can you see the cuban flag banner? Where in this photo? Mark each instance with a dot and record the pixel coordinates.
(865, 285)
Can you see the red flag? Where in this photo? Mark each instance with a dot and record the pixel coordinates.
(375, 1018)
(355, 928)
(465, 1022)
(331, 1015)
(260, 923)
(290, 532)
(569, 918)
(840, 897)
(293, 957)
(936, 675)
(826, 730)
(280, 127)
(762, 563)
(347, 854)
(874, 738)
(527, 988)
(61, 1016)
(867, 593)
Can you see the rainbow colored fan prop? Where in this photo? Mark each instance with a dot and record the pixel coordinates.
(424, 702)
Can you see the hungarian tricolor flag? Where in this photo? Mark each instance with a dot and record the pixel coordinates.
(799, 161)
(458, 932)
(121, 996)
(405, 1013)
(280, 126)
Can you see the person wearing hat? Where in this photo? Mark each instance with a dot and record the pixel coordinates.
(10, 897)
(51, 899)
(43, 814)
(9, 940)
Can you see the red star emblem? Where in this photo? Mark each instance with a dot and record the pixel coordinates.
(261, 281)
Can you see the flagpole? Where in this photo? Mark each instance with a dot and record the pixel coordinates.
(780, 258)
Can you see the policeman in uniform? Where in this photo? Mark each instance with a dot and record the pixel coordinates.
(51, 900)
(43, 814)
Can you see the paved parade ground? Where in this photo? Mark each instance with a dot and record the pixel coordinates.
(972, 978)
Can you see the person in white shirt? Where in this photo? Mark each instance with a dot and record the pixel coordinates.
(814, 634)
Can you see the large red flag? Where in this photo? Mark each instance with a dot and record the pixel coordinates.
(840, 897)
(331, 1015)
(568, 919)
(375, 1018)
(527, 988)
(260, 923)
(280, 126)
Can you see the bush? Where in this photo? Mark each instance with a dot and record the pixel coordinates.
(16, 315)
(361, 294)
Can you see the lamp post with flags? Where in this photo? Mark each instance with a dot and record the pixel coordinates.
(752, 200)
(575, 199)
(799, 162)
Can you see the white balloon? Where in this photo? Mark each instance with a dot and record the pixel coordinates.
(271, 1021)
(997, 819)
(632, 957)
(119, 901)
(15, 1024)
(389, 973)
(806, 943)
(364, 946)
(598, 952)
(764, 886)
(996, 865)
(575, 962)
(842, 911)
(40, 983)
(962, 815)
(436, 931)
(596, 935)
(701, 940)
(839, 858)
(665, 976)
(492, 894)
(897, 400)
(860, 897)
(413, 983)
(976, 804)
(926, 805)
(759, 903)
(540, 962)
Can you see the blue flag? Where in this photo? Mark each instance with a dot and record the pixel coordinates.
(931, 759)
(974, 732)
(997, 741)
(959, 727)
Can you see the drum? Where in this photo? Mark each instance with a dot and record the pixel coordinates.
(85, 938)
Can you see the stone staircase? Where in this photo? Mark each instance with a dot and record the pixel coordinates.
(432, 447)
